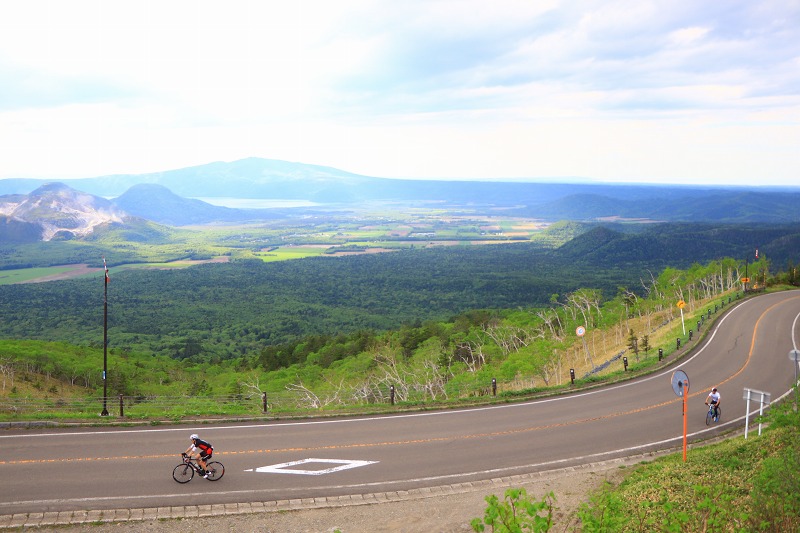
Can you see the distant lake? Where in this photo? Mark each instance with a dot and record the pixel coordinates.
(255, 203)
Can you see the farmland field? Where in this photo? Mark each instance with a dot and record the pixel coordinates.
(330, 235)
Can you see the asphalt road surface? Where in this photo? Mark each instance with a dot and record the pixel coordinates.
(113, 468)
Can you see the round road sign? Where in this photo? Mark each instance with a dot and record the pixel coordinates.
(581, 331)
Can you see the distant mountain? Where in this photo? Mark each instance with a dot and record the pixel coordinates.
(256, 178)
(159, 204)
(246, 178)
(677, 205)
(55, 211)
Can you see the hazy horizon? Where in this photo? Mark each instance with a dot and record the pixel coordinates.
(565, 180)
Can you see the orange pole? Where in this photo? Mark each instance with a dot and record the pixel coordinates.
(685, 396)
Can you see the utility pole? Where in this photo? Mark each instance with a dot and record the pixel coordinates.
(105, 339)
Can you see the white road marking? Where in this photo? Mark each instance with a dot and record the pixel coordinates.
(282, 467)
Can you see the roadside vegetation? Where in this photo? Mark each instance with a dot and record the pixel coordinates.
(736, 485)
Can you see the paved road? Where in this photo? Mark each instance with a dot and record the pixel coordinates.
(89, 468)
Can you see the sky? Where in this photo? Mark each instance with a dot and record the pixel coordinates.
(672, 91)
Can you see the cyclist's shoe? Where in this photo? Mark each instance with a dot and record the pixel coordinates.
(205, 476)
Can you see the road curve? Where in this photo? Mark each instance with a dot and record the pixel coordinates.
(50, 471)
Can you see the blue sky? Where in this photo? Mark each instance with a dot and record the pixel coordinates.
(671, 91)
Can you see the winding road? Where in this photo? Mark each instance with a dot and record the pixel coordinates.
(114, 468)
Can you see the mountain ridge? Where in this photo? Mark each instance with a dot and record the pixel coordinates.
(172, 198)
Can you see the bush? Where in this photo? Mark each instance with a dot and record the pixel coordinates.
(516, 513)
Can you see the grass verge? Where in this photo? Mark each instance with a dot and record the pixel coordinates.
(735, 485)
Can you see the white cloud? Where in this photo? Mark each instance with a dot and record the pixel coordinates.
(687, 36)
(618, 90)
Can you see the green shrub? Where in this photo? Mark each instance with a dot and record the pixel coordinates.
(516, 513)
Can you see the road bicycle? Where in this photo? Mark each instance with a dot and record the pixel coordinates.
(710, 415)
(184, 472)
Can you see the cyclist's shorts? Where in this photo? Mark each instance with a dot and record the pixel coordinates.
(208, 455)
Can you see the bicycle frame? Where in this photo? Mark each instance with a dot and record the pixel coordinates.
(191, 461)
(181, 473)
(714, 414)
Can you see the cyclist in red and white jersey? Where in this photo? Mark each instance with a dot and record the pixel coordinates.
(200, 450)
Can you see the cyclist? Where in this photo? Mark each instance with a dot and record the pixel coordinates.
(200, 450)
(714, 399)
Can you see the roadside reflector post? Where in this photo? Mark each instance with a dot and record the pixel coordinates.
(660, 353)
(678, 343)
(121, 407)
(494, 386)
(263, 402)
(572, 376)
(391, 394)
(625, 363)
(756, 396)
(690, 334)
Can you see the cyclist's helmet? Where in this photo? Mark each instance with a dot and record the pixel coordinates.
(195, 437)
(712, 390)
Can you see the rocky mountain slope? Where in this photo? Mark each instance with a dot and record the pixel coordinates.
(54, 211)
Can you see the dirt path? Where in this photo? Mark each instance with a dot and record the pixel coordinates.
(73, 272)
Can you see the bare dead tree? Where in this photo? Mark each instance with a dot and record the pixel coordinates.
(471, 354)
(8, 370)
(583, 301)
(253, 385)
(552, 320)
(651, 287)
(549, 368)
(435, 378)
(508, 338)
(307, 398)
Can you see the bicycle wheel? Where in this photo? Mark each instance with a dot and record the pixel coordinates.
(183, 473)
(709, 417)
(215, 470)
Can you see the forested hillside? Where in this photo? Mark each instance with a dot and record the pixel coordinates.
(222, 311)
(523, 349)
